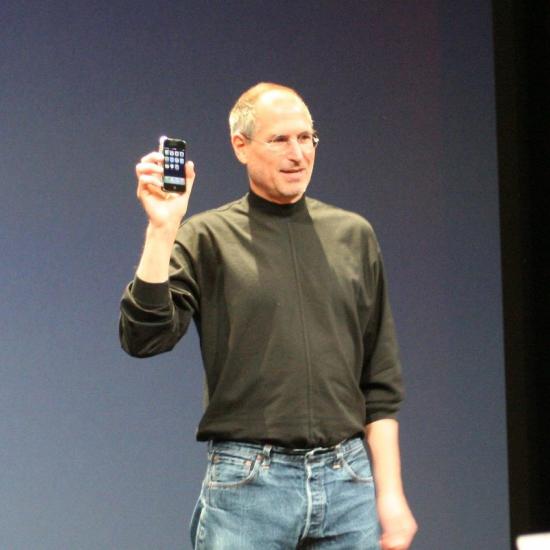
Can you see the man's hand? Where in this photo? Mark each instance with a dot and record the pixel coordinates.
(397, 522)
(164, 210)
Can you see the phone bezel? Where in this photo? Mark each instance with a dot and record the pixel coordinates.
(180, 145)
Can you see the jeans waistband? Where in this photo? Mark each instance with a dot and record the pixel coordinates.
(267, 449)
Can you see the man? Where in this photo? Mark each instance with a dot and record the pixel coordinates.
(298, 344)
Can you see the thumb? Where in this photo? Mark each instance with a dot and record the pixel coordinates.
(189, 175)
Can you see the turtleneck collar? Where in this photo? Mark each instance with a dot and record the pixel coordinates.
(283, 210)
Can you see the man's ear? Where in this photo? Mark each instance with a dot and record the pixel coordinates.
(239, 146)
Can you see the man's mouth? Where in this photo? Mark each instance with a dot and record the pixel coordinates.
(292, 171)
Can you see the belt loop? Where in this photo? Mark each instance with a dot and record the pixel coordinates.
(339, 453)
(266, 454)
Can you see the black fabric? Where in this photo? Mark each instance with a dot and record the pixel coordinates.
(291, 306)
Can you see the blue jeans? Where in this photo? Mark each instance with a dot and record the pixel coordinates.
(260, 497)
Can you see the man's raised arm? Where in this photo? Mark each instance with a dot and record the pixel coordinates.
(164, 211)
(150, 322)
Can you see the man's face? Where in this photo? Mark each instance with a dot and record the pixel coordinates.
(282, 176)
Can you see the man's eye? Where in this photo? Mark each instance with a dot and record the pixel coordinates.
(305, 138)
(279, 139)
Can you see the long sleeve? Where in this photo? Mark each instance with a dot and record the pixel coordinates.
(154, 316)
(381, 380)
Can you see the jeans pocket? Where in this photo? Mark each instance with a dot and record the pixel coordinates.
(226, 470)
(357, 465)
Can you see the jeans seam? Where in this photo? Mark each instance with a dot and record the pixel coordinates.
(254, 472)
(309, 497)
(354, 475)
(201, 529)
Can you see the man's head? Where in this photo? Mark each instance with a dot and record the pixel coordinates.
(272, 134)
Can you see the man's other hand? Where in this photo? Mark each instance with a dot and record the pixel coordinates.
(397, 522)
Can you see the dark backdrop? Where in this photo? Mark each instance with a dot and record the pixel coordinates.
(97, 449)
(522, 75)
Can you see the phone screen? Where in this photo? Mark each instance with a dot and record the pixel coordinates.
(174, 164)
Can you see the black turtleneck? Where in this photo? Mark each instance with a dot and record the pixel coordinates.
(282, 210)
(291, 307)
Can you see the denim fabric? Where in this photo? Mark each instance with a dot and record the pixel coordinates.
(263, 497)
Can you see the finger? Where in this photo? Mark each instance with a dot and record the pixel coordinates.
(394, 543)
(150, 180)
(189, 175)
(148, 168)
(154, 157)
(148, 189)
(189, 170)
(148, 184)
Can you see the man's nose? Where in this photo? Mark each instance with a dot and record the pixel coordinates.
(295, 151)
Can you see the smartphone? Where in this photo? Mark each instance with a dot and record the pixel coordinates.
(174, 151)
